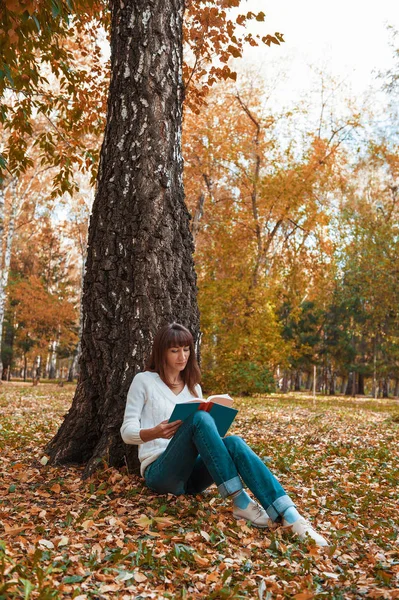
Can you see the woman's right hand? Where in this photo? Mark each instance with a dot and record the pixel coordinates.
(164, 430)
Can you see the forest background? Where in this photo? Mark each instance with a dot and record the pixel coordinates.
(294, 216)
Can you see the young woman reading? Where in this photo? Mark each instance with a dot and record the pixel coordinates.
(187, 457)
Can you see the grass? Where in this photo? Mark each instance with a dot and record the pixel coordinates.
(110, 537)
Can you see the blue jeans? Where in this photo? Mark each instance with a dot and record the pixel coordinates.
(197, 456)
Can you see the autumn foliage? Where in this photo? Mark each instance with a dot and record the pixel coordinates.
(294, 219)
(111, 537)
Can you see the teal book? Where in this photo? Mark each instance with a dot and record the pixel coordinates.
(219, 407)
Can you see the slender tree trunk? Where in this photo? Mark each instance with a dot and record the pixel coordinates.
(139, 271)
(284, 387)
(360, 384)
(298, 381)
(53, 360)
(72, 369)
(308, 383)
(375, 391)
(396, 389)
(350, 387)
(199, 211)
(332, 383)
(6, 260)
(292, 380)
(385, 387)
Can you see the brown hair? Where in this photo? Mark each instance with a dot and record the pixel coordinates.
(174, 335)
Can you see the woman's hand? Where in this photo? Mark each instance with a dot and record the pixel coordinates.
(164, 430)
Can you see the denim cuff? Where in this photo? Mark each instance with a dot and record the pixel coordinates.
(279, 506)
(229, 487)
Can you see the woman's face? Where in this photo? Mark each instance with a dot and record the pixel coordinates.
(177, 357)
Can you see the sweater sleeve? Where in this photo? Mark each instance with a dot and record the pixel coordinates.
(198, 390)
(136, 398)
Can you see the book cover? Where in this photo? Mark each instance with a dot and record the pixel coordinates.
(219, 407)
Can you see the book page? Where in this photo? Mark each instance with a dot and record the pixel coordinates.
(222, 399)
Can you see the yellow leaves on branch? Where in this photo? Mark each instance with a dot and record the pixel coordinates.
(212, 36)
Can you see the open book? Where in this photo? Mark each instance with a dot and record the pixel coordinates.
(218, 406)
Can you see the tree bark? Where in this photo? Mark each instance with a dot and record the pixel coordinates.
(284, 387)
(6, 260)
(332, 383)
(139, 270)
(385, 387)
(351, 384)
(199, 211)
(308, 383)
(298, 381)
(360, 384)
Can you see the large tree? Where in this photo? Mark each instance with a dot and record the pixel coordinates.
(139, 270)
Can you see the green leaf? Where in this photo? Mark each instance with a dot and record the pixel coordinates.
(8, 74)
(28, 588)
(55, 8)
(36, 23)
(73, 579)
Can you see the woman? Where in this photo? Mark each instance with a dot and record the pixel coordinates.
(187, 457)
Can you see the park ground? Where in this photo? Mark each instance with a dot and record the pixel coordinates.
(110, 537)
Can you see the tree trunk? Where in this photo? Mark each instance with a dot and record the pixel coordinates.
(53, 361)
(298, 381)
(284, 387)
(199, 211)
(332, 384)
(360, 384)
(308, 384)
(139, 271)
(385, 387)
(292, 381)
(72, 368)
(350, 387)
(5, 267)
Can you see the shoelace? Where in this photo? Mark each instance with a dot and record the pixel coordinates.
(259, 509)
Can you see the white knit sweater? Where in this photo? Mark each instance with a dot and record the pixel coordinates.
(150, 401)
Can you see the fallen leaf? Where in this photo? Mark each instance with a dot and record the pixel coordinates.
(46, 544)
(205, 535)
(14, 530)
(64, 541)
(201, 560)
(143, 521)
(305, 595)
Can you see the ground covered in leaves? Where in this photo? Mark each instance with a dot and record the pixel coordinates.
(109, 537)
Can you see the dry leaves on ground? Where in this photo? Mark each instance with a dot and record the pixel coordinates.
(110, 537)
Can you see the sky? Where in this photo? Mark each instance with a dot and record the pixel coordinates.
(349, 38)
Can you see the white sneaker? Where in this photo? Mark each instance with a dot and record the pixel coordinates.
(254, 513)
(303, 528)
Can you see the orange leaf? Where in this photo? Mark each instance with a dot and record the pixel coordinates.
(305, 595)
